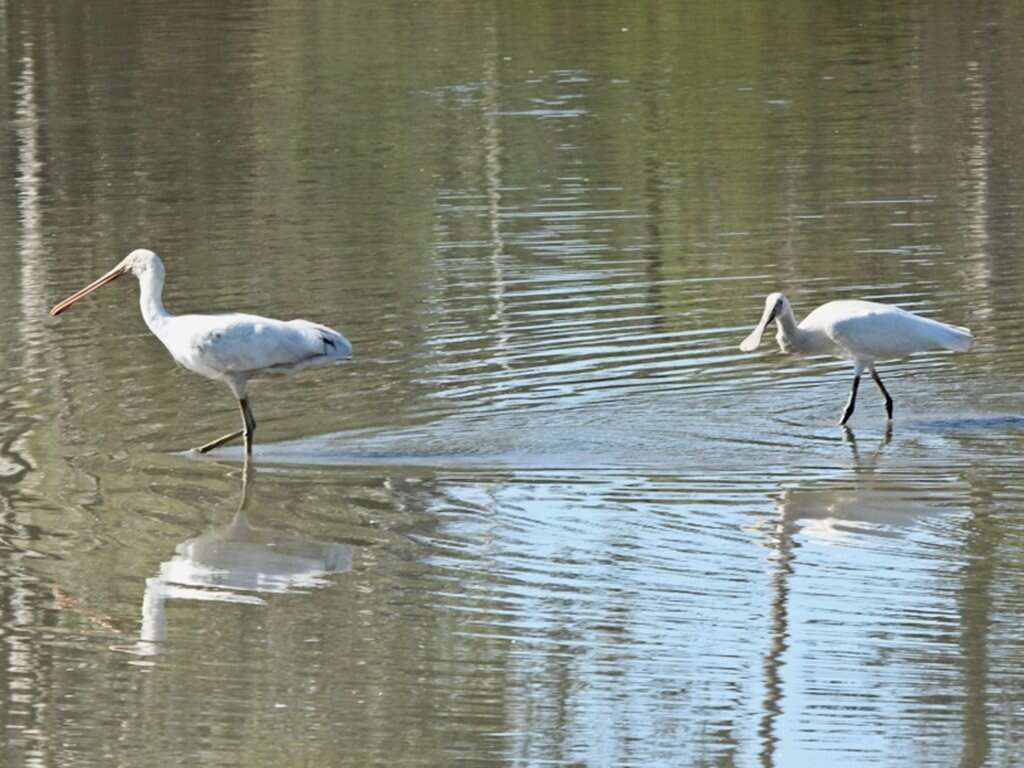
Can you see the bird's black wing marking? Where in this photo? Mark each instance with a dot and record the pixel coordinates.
(209, 340)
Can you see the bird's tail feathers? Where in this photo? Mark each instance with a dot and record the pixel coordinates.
(335, 344)
(957, 338)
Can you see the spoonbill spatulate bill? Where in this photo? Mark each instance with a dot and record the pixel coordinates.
(233, 348)
(861, 331)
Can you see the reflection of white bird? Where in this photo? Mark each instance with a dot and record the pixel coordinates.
(868, 501)
(862, 331)
(237, 562)
(836, 509)
(232, 348)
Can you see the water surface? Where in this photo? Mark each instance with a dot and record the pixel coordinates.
(549, 515)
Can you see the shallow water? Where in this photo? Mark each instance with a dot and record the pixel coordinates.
(550, 514)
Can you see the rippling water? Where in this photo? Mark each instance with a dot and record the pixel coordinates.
(550, 514)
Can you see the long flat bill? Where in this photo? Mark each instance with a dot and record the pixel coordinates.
(113, 274)
(752, 341)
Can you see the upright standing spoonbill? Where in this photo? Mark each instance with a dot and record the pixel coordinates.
(232, 348)
(862, 331)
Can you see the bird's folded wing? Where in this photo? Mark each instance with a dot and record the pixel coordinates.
(239, 343)
(893, 332)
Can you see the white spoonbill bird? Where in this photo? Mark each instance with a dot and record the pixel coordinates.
(232, 348)
(862, 331)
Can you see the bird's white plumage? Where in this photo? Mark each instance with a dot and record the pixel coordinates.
(861, 331)
(233, 348)
(868, 331)
(237, 346)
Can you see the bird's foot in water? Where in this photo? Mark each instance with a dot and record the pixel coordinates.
(207, 447)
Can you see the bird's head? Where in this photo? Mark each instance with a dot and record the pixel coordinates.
(775, 304)
(140, 262)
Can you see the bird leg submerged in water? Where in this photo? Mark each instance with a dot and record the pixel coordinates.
(249, 427)
(885, 392)
(851, 403)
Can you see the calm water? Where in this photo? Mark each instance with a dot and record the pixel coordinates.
(549, 515)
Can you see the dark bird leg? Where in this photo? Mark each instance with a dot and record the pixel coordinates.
(250, 424)
(885, 392)
(848, 411)
(248, 427)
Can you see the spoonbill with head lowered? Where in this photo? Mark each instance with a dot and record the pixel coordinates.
(862, 331)
(232, 348)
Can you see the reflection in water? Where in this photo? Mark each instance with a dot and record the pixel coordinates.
(28, 183)
(866, 501)
(844, 509)
(231, 562)
(771, 707)
(573, 476)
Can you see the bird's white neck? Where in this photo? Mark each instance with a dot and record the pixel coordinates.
(790, 337)
(151, 288)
